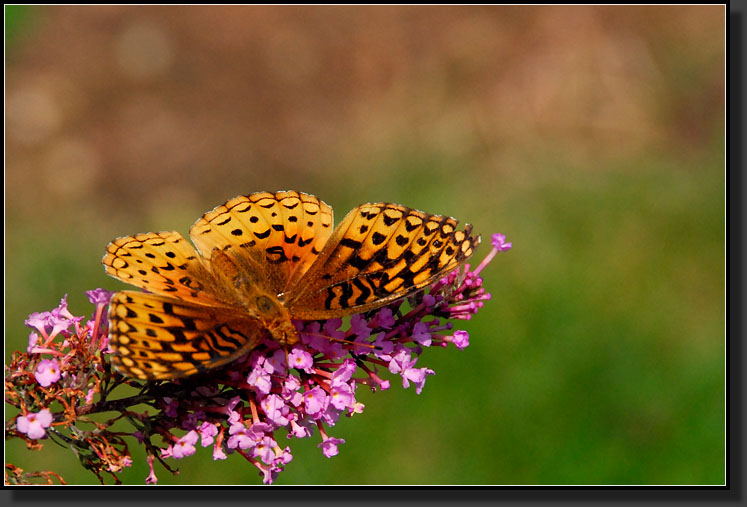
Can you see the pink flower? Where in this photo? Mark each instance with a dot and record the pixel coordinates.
(310, 335)
(51, 323)
(315, 400)
(290, 391)
(264, 449)
(168, 452)
(218, 453)
(300, 430)
(341, 396)
(99, 296)
(276, 363)
(275, 409)
(151, 479)
(48, 372)
(300, 359)
(240, 437)
(329, 446)
(330, 415)
(384, 347)
(282, 457)
(344, 372)
(359, 326)
(268, 473)
(384, 318)
(38, 321)
(403, 363)
(258, 430)
(34, 424)
(460, 339)
(498, 241)
(401, 360)
(421, 335)
(207, 433)
(417, 376)
(261, 380)
(33, 342)
(331, 326)
(185, 446)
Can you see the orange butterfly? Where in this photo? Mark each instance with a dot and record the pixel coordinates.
(262, 260)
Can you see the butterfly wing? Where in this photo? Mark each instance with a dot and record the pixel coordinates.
(162, 263)
(156, 337)
(379, 253)
(272, 238)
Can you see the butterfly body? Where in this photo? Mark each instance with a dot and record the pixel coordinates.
(261, 261)
(252, 298)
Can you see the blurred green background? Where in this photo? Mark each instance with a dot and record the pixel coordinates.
(593, 137)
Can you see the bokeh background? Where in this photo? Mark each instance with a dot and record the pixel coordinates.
(593, 137)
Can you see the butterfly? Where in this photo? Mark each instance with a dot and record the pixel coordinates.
(262, 260)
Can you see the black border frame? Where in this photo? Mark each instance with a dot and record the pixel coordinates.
(731, 493)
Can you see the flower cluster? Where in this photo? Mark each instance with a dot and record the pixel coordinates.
(246, 407)
(65, 365)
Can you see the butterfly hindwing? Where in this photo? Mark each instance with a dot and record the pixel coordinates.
(156, 337)
(379, 253)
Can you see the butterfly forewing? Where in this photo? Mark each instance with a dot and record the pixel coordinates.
(162, 263)
(156, 337)
(272, 237)
(379, 253)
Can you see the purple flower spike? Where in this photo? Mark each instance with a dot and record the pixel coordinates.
(237, 408)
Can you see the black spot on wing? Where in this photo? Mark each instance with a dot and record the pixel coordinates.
(350, 243)
(377, 238)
